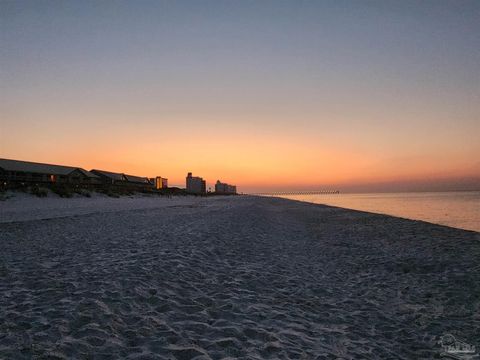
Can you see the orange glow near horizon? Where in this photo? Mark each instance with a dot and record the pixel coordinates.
(253, 161)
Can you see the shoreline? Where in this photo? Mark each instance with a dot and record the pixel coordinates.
(381, 214)
(457, 210)
(245, 277)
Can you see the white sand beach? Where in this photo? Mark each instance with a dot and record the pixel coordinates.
(229, 277)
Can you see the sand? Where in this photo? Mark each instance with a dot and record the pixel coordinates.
(229, 277)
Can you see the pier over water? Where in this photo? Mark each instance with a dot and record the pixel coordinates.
(311, 192)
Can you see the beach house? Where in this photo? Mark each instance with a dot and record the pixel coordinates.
(16, 171)
(123, 180)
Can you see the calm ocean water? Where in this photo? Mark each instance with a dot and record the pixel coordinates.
(456, 209)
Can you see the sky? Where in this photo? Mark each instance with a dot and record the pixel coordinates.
(268, 95)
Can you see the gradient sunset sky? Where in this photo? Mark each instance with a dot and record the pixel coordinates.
(350, 95)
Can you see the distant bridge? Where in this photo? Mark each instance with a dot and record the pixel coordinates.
(313, 192)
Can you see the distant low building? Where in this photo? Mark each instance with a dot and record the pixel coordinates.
(195, 184)
(223, 188)
(160, 183)
(16, 171)
(124, 180)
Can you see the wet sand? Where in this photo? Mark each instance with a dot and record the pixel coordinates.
(238, 277)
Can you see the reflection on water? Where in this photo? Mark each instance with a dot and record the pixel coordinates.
(456, 209)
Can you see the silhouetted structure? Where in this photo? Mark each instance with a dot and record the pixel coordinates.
(226, 189)
(123, 180)
(308, 192)
(195, 184)
(160, 182)
(15, 171)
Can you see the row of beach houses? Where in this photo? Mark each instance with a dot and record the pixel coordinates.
(26, 172)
